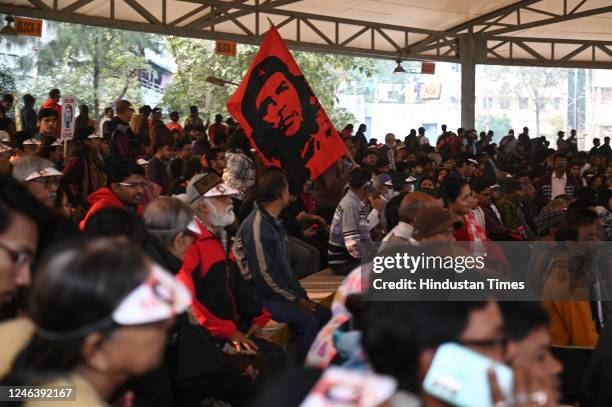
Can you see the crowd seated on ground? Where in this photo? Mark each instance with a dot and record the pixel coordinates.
(143, 261)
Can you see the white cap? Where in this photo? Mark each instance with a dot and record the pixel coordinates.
(31, 142)
(207, 186)
(95, 135)
(158, 298)
(4, 136)
(4, 148)
(45, 172)
(194, 227)
(410, 179)
(221, 189)
(142, 161)
(473, 161)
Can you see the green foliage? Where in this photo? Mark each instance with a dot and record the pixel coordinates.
(196, 60)
(499, 124)
(98, 65)
(7, 82)
(557, 121)
(536, 84)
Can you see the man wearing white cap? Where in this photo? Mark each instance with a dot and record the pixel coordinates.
(465, 168)
(224, 303)
(84, 172)
(41, 178)
(30, 147)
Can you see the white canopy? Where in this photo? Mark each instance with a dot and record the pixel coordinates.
(528, 32)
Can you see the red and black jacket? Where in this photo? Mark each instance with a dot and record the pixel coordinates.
(221, 297)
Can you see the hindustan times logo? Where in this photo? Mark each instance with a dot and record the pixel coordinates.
(413, 263)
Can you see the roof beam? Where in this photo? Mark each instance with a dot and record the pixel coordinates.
(531, 57)
(224, 14)
(498, 14)
(142, 11)
(188, 15)
(335, 47)
(344, 40)
(552, 20)
(71, 8)
(39, 4)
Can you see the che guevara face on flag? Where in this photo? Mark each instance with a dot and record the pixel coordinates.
(281, 116)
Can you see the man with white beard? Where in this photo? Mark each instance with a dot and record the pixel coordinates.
(223, 302)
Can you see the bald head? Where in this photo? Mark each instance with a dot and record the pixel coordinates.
(413, 202)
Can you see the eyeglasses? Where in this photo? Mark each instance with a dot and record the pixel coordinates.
(140, 185)
(19, 258)
(46, 181)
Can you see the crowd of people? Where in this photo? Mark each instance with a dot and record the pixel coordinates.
(142, 260)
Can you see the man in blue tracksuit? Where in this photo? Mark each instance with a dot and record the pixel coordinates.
(262, 251)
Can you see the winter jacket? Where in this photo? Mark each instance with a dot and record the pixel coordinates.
(221, 296)
(103, 198)
(261, 242)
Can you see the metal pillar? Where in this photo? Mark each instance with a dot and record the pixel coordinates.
(467, 57)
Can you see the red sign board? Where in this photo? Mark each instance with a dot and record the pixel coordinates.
(28, 26)
(428, 68)
(227, 48)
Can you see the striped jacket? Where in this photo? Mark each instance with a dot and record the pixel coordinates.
(350, 229)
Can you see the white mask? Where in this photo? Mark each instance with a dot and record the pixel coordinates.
(218, 218)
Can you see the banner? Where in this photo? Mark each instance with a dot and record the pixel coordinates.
(227, 48)
(69, 104)
(428, 68)
(28, 26)
(280, 114)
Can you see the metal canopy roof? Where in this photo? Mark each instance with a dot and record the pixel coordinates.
(568, 33)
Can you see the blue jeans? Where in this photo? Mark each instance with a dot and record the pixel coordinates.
(306, 325)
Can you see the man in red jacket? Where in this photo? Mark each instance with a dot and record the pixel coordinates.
(127, 184)
(53, 103)
(224, 303)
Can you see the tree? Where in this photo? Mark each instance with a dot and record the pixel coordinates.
(539, 84)
(534, 83)
(7, 82)
(196, 60)
(98, 65)
(499, 124)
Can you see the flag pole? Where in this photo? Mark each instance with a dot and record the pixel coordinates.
(270, 21)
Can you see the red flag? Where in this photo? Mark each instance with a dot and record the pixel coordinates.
(280, 114)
